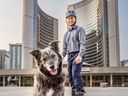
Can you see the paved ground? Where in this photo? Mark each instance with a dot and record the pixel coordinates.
(27, 91)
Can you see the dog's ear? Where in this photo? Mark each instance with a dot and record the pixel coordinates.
(54, 45)
(36, 54)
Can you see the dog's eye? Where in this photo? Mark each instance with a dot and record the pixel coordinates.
(53, 56)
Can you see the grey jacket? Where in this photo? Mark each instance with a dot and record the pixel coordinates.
(74, 40)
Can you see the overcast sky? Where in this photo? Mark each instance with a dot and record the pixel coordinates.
(11, 21)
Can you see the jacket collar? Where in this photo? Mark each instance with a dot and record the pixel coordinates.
(72, 28)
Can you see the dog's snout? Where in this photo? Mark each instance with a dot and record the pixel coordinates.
(52, 66)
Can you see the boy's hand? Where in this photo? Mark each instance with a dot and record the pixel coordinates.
(78, 59)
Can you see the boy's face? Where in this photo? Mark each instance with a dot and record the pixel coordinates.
(70, 20)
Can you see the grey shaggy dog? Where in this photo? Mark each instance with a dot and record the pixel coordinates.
(48, 81)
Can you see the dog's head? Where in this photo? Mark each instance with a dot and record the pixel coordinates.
(49, 60)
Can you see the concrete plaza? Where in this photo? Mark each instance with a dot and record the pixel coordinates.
(91, 91)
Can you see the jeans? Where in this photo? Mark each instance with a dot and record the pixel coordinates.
(74, 72)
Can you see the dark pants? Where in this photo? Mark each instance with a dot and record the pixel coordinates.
(74, 72)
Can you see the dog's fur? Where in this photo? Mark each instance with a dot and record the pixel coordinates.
(48, 81)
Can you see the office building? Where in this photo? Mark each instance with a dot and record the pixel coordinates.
(15, 55)
(4, 59)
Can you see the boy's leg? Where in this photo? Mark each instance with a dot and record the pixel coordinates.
(70, 73)
(77, 79)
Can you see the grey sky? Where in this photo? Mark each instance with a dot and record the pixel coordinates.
(11, 21)
(123, 28)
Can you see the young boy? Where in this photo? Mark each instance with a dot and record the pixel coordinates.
(74, 47)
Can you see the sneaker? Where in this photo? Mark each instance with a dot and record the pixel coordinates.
(73, 92)
(79, 93)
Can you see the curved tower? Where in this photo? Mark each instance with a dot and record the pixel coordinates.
(28, 33)
(100, 20)
(38, 30)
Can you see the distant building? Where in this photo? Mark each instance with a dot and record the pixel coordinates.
(15, 55)
(4, 59)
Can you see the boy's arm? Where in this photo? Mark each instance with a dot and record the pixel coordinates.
(82, 38)
(64, 46)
